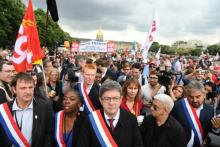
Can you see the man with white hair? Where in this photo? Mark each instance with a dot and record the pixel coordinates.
(160, 128)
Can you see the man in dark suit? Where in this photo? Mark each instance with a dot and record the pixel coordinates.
(31, 117)
(110, 126)
(7, 71)
(107, 73)
(192, 113)
(88, 89)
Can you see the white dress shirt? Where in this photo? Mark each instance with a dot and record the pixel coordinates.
(24, 119)
(116, 118)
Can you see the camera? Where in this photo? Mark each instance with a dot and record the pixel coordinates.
(165, 77)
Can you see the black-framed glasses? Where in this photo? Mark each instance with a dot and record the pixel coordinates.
(108, 99)
(153, 78)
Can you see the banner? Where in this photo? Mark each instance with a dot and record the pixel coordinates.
(151, 36)
(111, 47)
(93, 46)
(75, 47)
(27, 46)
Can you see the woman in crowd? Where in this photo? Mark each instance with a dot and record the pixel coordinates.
(54, 85)
(132, 101)
(176, 92)
(68, 122)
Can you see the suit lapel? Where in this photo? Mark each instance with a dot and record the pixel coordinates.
(36, 117)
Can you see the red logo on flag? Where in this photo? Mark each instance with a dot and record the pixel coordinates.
(27, 46)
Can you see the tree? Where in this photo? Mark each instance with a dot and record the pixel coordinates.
(11, 14)
(213, 49)
(54, 35)
(154, 47)
(195, 52)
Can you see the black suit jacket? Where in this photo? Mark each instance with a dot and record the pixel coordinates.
(43, 125)
(126, 132)
(112, 75)
(94, 95)
(205, 117)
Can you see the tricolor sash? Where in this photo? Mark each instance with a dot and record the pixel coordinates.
(86, 99)
(194, 121)
(102, 132)
(59, 129)
(10, 126)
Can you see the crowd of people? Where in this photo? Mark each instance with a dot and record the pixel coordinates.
(94, 99)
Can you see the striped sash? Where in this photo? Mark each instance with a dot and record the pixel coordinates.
(102, 133)
(194, 121)
(9, 125)
(59, 129)
(86, 99)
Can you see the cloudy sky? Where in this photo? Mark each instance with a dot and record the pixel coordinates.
(130, 20)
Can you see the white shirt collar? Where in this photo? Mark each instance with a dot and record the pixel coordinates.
(116, 116)
(15, 106)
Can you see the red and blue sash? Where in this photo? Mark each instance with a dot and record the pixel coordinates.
(194, 121)
(86, 99)
(9, 125)
(102, 132)
(59, 129)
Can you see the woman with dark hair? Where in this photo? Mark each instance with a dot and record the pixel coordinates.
(132, 101)
(68, 122)
(176, 92)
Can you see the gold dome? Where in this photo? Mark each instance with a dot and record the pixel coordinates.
(99, 35)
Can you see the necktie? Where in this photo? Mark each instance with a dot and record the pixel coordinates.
(111, 124)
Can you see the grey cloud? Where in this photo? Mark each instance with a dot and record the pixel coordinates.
(177, 18)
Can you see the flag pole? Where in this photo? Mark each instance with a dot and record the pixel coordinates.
(45, 82)
(46, 25)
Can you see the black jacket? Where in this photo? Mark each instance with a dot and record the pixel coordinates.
(126, 132)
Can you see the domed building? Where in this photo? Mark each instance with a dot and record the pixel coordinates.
(99, 35)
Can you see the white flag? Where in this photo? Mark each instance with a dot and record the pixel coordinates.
(216, 56)
(151, 36)
(157, 56)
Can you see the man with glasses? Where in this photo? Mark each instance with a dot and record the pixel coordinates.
(160, 128)
(153, 88)
(110, 126)
(7, 72)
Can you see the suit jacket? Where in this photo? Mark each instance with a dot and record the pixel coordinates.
(205, 117)
(93, 95)
(43, 125)
(111, 74)
(126, 132)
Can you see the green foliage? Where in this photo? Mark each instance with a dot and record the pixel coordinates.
(54, 34)
(196, 52)
(11, 14)
(154, 47)
(213, 49)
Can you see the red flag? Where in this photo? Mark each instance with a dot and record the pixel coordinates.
(27, 46)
